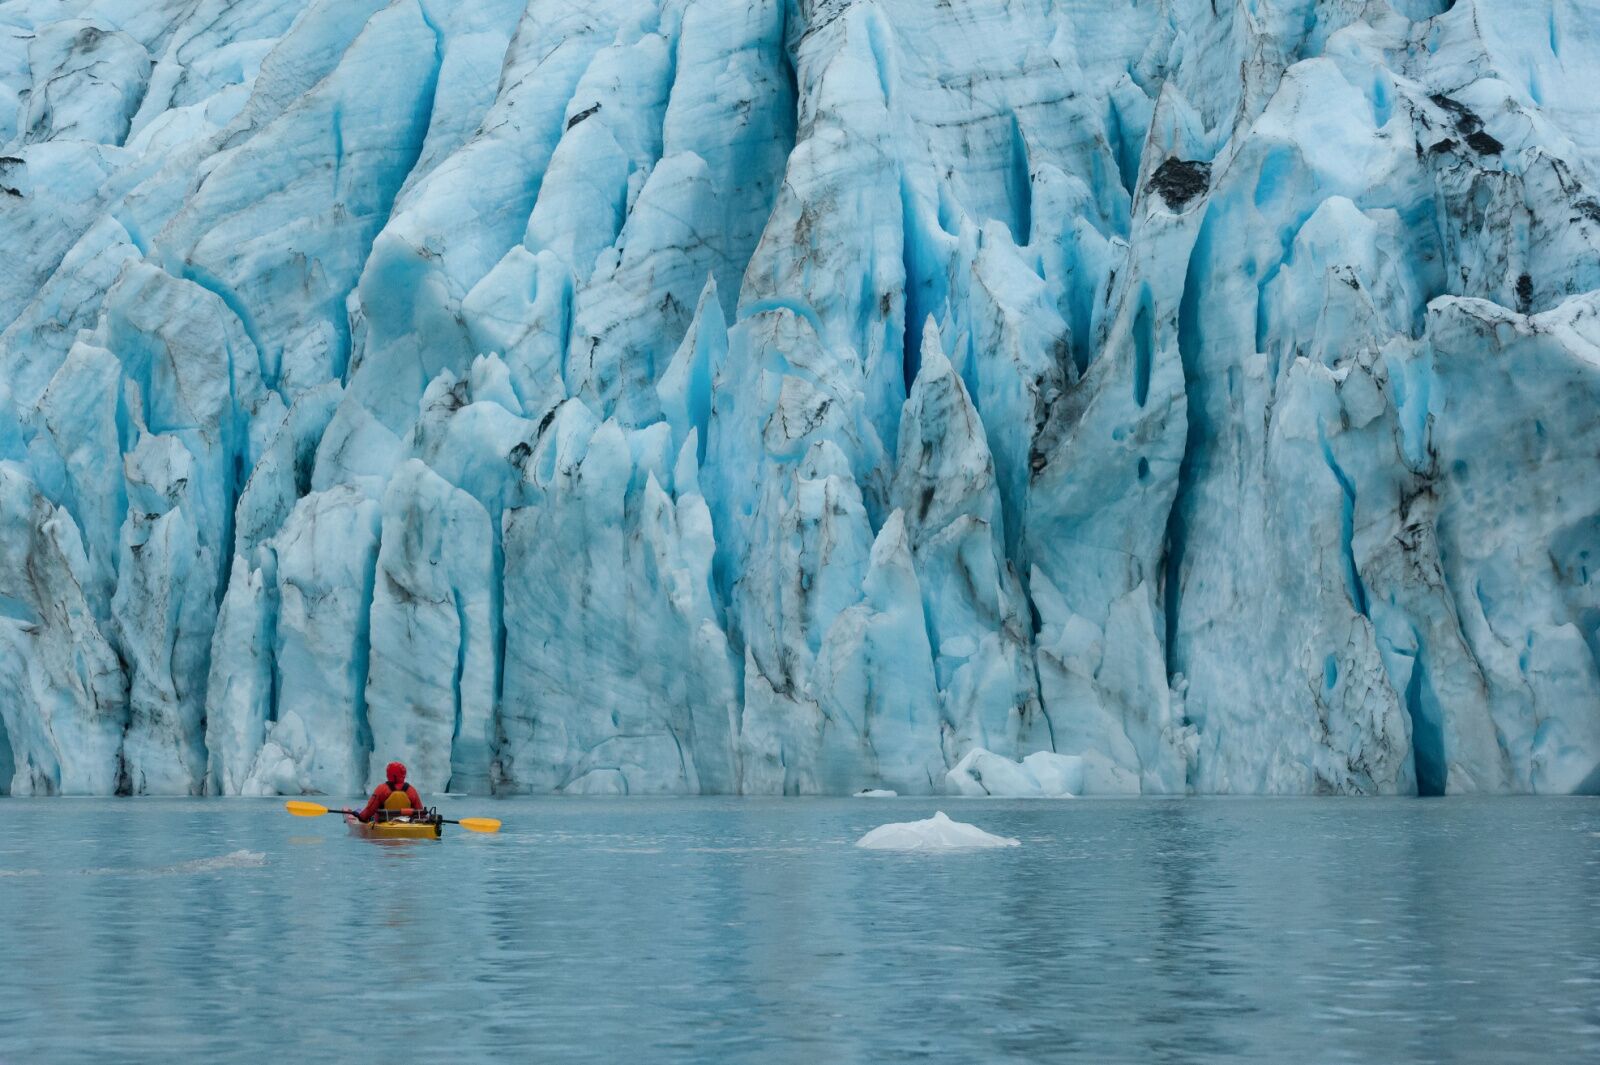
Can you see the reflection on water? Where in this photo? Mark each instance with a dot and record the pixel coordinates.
(736, 931)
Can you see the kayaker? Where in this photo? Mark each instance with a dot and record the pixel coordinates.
(394, 796)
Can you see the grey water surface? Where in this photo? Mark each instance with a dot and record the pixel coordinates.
(712, 930)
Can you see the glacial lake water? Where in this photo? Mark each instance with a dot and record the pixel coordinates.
(711, 931)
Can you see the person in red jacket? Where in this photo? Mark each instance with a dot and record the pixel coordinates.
(395, 797)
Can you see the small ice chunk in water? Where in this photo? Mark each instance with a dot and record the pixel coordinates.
(937, 833)
(876, 793)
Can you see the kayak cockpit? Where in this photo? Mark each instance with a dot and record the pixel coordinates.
(424, 827)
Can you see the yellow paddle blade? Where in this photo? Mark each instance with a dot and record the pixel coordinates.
(480, 824)
(305, 809)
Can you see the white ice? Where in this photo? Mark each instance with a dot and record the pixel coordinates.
(1041, 775)
(937, 833)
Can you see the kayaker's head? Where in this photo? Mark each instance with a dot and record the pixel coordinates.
(396, 774)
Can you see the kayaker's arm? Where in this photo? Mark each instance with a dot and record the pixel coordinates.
(373, 804)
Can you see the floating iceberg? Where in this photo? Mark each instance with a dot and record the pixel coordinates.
(800, 396)
(937, 833)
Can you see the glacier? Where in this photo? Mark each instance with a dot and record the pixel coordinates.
(800, 396)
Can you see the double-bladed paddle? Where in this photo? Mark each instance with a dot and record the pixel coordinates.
(311, 809)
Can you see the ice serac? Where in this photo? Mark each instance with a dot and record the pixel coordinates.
(66, 692)
(430, 681)
(691, 195)
(1104, 472)
(1516, 548)
(320, 738)
(240, 686)
(191, 383)
(613, 554)
(281, 223)
(800, 396)
(972, 602)
(87, 81)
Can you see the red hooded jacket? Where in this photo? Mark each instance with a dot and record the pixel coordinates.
(396, 773)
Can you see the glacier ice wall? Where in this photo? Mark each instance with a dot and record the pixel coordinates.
(798, 395)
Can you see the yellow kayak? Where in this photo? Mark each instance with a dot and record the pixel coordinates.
(401, 828)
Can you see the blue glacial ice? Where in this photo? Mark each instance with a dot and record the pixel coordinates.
(800, 396)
